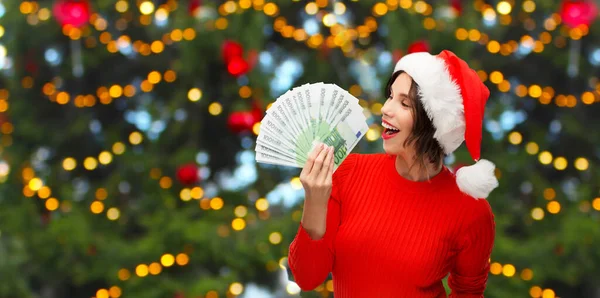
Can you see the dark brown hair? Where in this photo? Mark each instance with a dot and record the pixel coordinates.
(423, 130)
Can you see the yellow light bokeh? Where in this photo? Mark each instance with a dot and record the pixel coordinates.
(215, 108)
(141, 270)
(124, 274)
(185, 194)
(113, 213)
(105, 157)
(596, 204)
(240, 211)
(245, 92)
(311, 8)
(216, 203)
(118, 148)
(270, 9)
(532, 148)
(528, 6)
(114, 292)
(535, 292)
(329, 20)
(147, 7)
(275, 238)
(97, 207)
(197, 192)
(102, 293)
(170, 76)
(496, 77)
(154, 77)
(236, 288)
(535, 91)
(90, 163)
(167, 260)
(62, 98)
(508, 270)
(154, 268)
(135, 138)
(121, 6)
(503, 7)
(262, 204)
(495, 268)
(548, 293)
(582, 164)
(256, 128)
(373, 134)
(549, 193)
(194, 94)
(115, 91)
(35, 184)
(560, 163)
(545, 157)
(537, 213)
(165, 182)
(295, 182)
(380, 9)
(238, 224)
(51, 204)
(44, 192)
(527, 274)
(182, 259)
(553, 207)
(515, 138)
(69, 164)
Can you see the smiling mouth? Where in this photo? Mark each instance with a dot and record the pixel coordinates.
(390, 132)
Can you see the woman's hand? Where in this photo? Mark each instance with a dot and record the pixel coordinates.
(316, 176)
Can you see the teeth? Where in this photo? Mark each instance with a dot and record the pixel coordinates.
(388, 126)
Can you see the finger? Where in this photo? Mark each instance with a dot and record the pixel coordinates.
(331, 166)
(326, 165)
(318, 164)
(312, 156)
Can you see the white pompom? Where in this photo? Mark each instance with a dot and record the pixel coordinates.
(477, 180)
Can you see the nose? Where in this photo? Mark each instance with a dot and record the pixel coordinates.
(385, 110)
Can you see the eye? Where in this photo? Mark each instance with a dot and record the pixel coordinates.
(404, 104)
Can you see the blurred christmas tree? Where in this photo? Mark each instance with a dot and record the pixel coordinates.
(127, 162)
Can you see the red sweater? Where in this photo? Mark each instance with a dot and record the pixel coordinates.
(392, 237)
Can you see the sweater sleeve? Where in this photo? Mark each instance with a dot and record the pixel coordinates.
(469, 274)
(311, 260)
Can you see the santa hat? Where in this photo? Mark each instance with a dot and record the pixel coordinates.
(454, 98)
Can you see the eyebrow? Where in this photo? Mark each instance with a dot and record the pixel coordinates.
(401, 94)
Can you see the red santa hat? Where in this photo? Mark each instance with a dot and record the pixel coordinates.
(454, 98)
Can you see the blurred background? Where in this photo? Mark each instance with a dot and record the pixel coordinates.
(127, 133)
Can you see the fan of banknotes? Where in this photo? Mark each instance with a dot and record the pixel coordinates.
(306, 116)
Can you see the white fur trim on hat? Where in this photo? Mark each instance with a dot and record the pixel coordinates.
(440, 95)
(477, 180)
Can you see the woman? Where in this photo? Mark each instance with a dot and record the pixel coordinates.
(395, 224)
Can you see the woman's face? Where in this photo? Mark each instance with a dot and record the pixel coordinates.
(397, 112)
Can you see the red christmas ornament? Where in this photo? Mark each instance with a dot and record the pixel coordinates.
(187, 174)
(193, 6)
(419, 46)
(252, 58)
(238, 66)
(231, 49)
(575, 13)
(241, 121)
(256, 112)
(457, 6)
(75, 13)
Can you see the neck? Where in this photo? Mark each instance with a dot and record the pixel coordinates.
(409, 168)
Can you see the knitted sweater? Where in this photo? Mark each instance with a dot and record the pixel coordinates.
(388, 236)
